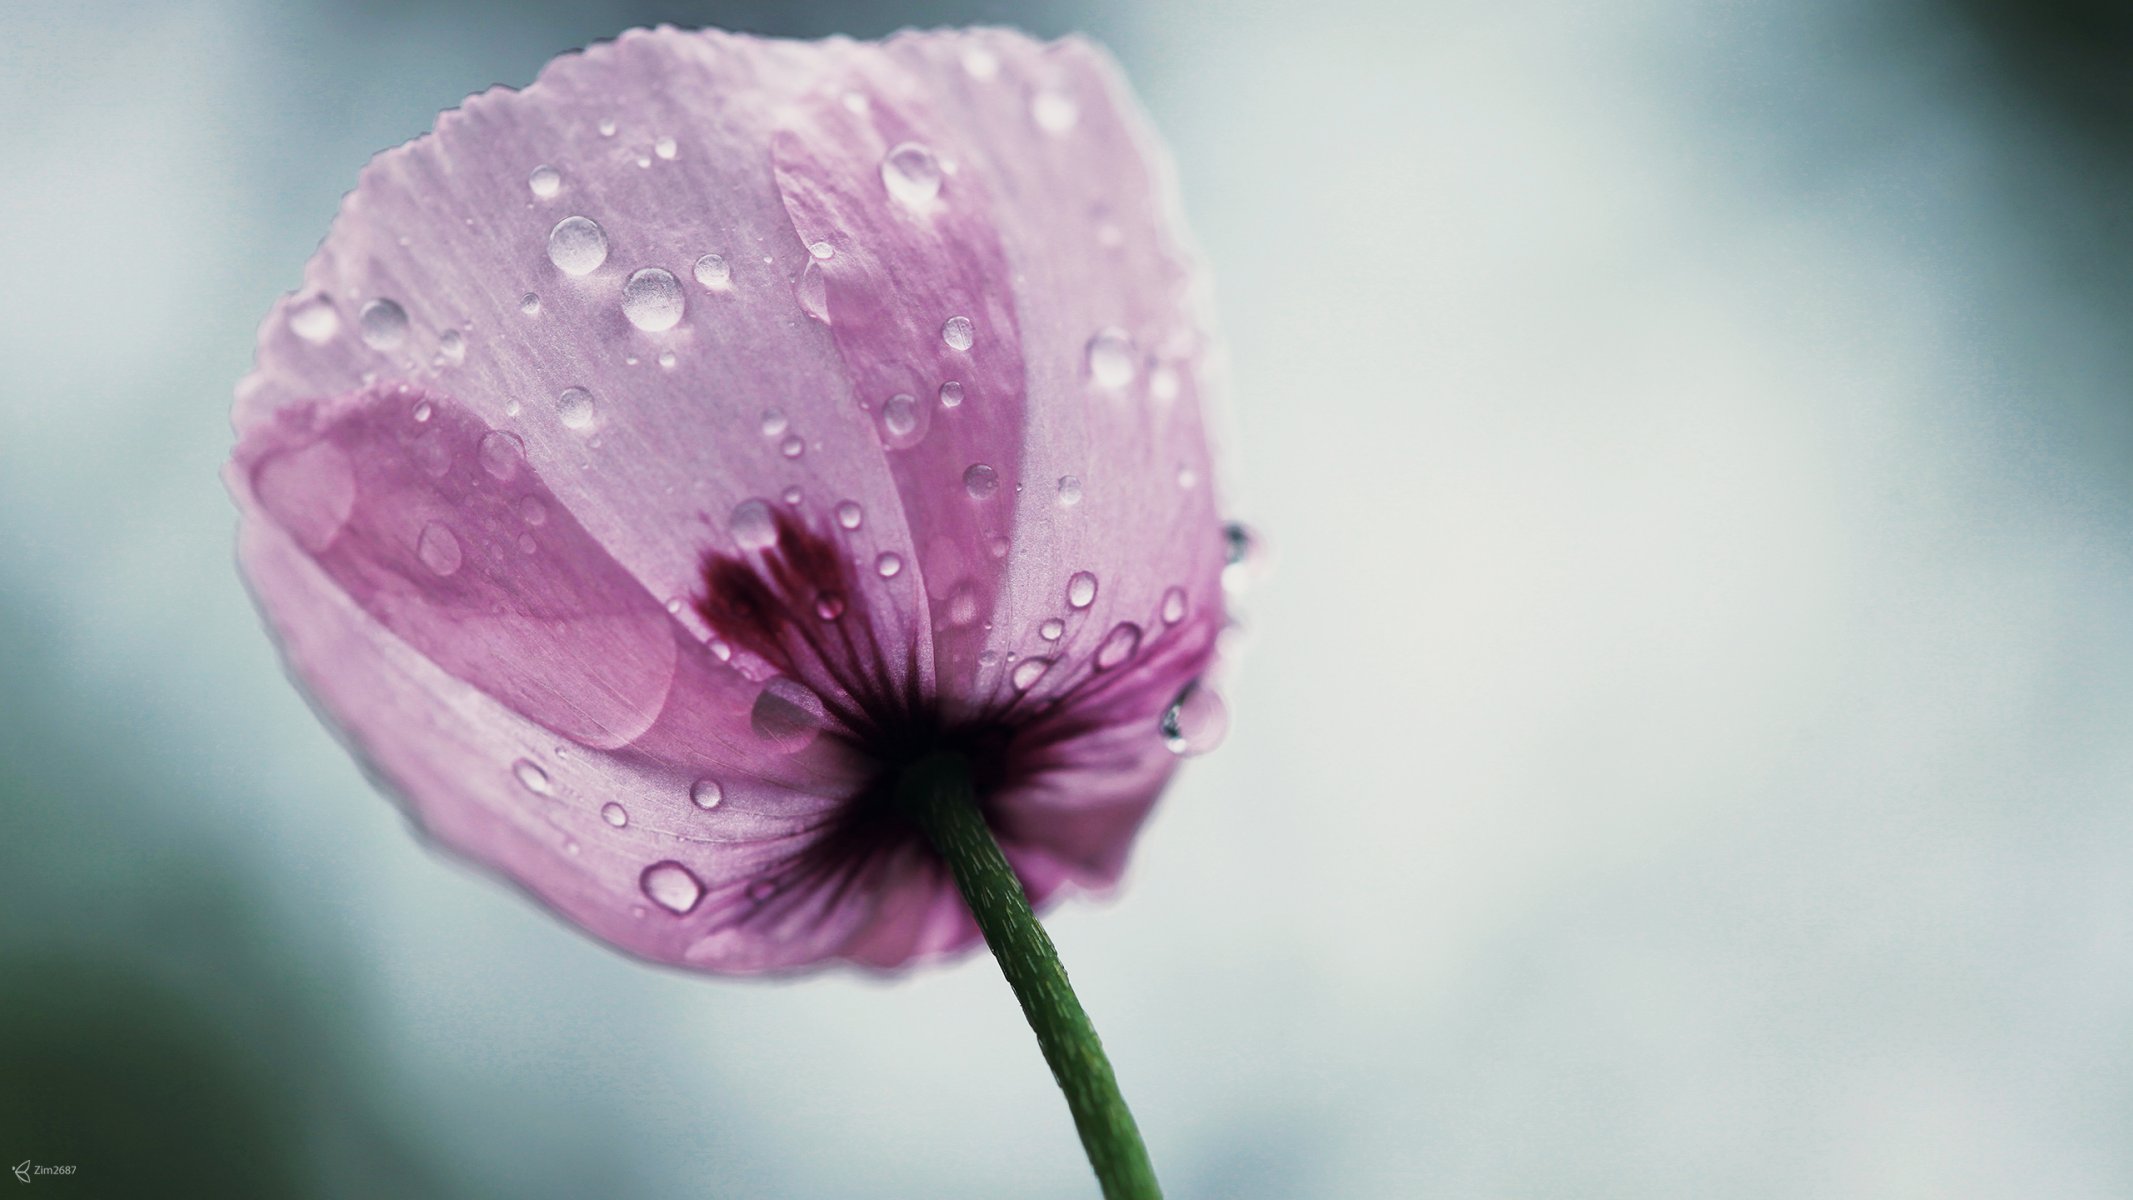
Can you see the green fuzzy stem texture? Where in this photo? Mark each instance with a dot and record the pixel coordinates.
(937, 794)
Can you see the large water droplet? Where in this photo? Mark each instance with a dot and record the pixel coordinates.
(981, 481)
(753, 525)
(787, 714)
(614, 814)
(1081, 589)
(1028, 672)
(671, 886)
(1195, 722)
(1120, 644)
(438, 548)
(712, 272)
(822, 251)
(665, 147)
(912, 174)
(1173, 606)
(773, 422)
(1055, 112)
(829, 605)
(577, 245)
(958, 333)
(849, 514)
(904, 420)
(574, 407)
(545, 181)
(314, 320)
(812, 291)
(1051, 630)
(951, 394)
(1111, 358)
(652, 300)
(501, 454)
(532, 778)
(888, 564)
(383, 323)
(706, 793)
(1069, 490)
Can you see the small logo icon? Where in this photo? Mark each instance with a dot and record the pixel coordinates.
(22, 1170)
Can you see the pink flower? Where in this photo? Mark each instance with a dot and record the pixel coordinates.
(655, 460)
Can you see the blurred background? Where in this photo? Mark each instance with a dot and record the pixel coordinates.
(1685, 749)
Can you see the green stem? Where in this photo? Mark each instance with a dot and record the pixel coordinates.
(937, 794)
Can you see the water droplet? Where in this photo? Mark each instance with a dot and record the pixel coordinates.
(574, 407)
(753, 525)
(787, 714)
(849, 514)
(422, 411)
(451, 348)
(532, 778)
(433, 454)
(667, 359)
(577, 246)
(501, 454)
(1028, 672)
(614, 814)
(1069, 490)
(532, 511)
(1173, 606)
(981, 481)
(951, 394)
(912, 174)
(1051, 630)
(792, 446)
(888, 564)
(822, 250)
(652, 300)
(791, 496)
(671, 886)
(958, 333)
(1055, 111)
(1081, 589)
(962, 606)
(530, 304)
(713, 273)
(812, 291)
(526, 544)
(438, 548)
(607, 127)
(384, 324)
(1111, 358)
(981, 63)
(665, 147)
(1195, 722)
(773, 422)
(314, 320)
(1163, 382)
(545, 181)
(829, 605)
(1120, 644)
(706, 793)
(905, 420)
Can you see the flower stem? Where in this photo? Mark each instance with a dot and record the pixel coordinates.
(937, 794)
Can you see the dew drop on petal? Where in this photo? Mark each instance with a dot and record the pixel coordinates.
(706, 793)
(532, 778)
(1054, 111)
(981, 481)
(451, 348)
(951, 394)
(773, 422)
(712, 272)
(849, 514)
(433, 454)
(530, 304)
(671, 886)
(577, 246)
(912, 174)
(314, 320)
(1028, 672)
(501, 454)
(753, 525)
(1195, 722)
(1081, 589)
(652, 300)
(607, 127)
(792, 446)
(667, 359)
(1120, 644)
(1069, 490)
(532, 511)
(1163, 383)
(383, 324)
(812, 291)
(574, 407)
(787, 714)
(423, 411)
(888, 564)
(962, 606)
(545, 181)
(438, 548)
(1173, 606)
(614, 814)
(822, 251)
(1111, 358)
(665, 147)
(1052, 629)
(829, 605)
(958, 333)
(904, 420)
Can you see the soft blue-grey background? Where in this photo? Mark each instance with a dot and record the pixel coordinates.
(1686, 744)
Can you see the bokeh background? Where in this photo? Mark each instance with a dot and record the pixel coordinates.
(1685, 748)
